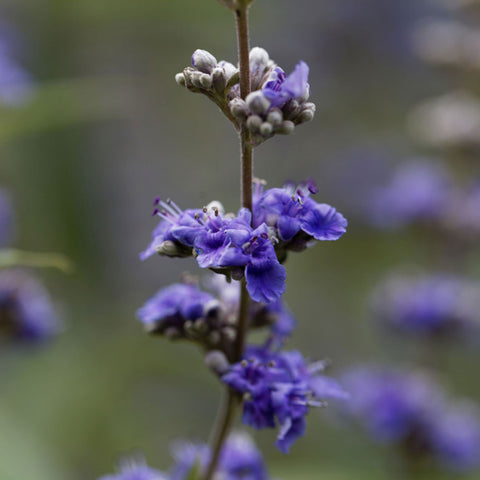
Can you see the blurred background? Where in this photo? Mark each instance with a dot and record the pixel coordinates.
(96, 127)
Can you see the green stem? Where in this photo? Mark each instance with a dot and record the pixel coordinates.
(226, 414)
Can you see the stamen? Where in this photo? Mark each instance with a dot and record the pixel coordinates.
(156, 201)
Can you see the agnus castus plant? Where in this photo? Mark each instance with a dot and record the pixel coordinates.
(246, 251)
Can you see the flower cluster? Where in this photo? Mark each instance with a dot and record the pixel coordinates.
(186, 311)
(280, 387)
(26, 310)
(276, 104)
(410, 410)
(239, 460)
(283, 219)
(433, 306)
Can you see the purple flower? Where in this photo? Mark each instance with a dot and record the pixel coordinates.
(15, 83)
(26, 310)
(435, 305)
(172, 306)
(456, 438)
(290, 210)
(239, 460)
(419, 191)
(136, 471)
(279, 88)
(176, 231)
(279, 387)
(412, 412)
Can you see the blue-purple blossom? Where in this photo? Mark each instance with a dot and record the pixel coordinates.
(222, 242)
(410, 411)
(419, 191)
(133, 470)
(172, 306)
(279, 88)
(435, 305)
(26, 309)
(279, 388)
(239, 460)
(456, 437)
(15, 83)
(291, 211)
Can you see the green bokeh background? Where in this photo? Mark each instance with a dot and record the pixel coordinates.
(107, 130)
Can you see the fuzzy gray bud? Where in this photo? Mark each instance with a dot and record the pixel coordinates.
(275, 117)
(254, 122)
(266, 129)
(257, 103)
(206, 80)
(203, 61)
(180, 79)
(219, 79)
(286, 127)
(306, 115)
(259, 58)
(172, 249)
(217, 362)
(239, 108)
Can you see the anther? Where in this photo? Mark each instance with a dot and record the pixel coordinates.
(154, 212)
(244, 363)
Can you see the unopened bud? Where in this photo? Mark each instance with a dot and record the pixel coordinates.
(172, 249)
(206, 80)
(229, 69)
(275, 117)
(219, 79)
(254, 122)
(239, 108)
(305, 116)
(266, 129)
(203, 61)
(180, 79)
(257, 103)
(290, 109)
(172, 333)
(286, 127)
(217, 362)
(258, 58)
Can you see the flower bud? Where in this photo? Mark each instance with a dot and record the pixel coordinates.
(275, 117)
(206, 80)
(305, 115)
(285, 128)
(203, 61)
(229, 69)
(259, 58)
(239, 108)
(172, 249)
(216, 361)
(254, 122)
(219, 79)
(257, 103)
(266, 129)
(180, 79)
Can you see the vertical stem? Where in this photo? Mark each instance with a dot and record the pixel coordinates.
(241, 17)
(226, 414)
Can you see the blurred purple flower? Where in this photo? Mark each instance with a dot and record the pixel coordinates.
(15, 83)
(26, 310)
(409, 410)
(174, 305)
(435, 305)
(135, 471)
(419, 191)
